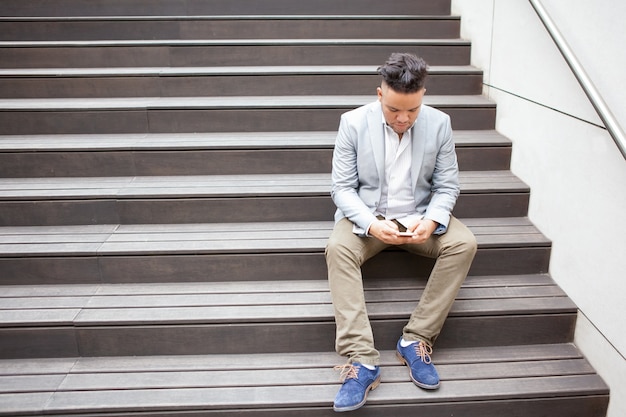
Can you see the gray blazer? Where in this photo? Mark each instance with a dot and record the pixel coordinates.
(359, 164)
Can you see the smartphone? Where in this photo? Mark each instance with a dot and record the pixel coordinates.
(407, 233)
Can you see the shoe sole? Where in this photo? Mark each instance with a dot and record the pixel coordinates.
(416, 382)
(369, 388)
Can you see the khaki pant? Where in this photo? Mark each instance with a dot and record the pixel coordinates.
(346, 253)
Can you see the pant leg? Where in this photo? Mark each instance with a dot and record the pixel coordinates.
(345, 254)
(454, 251)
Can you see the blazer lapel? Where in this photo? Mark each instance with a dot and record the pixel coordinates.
(418, 136)
(375, 127)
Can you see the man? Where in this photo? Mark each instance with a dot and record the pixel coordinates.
(395, 183)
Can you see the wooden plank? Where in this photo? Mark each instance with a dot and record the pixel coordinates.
(236, 84)
(33, 302)
(23, 302)
(257, 298)
(459, 368)
(295, 360)
(315, 376)
(210, 141)
(286, 297)
(215, 71)
(30, 384)
(228, 42)
(255, 102)
(38, 317)
(128, 54)
(35, 366)
(268, 27)
(300, 336)
(31, 403)
(264, 313)
(221, 238)
(490, 283)
(164, 8)
(321, 395)
(215, 186)
(41, 342)
(48, 291)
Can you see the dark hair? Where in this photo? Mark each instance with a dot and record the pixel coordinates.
(404, 72)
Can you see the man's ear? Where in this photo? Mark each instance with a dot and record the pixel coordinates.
(379, 92)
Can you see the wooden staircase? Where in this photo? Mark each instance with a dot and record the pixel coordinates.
(164, 207)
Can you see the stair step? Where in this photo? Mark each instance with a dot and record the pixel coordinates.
(233, 252)
(244, 302)
(210, 141)
(228, 27)
(315, 184)
(227, 153)
(225, 52)
(221, 237)
(169, 319)
(122, 384)
(223, 198)
(211, 114)
(217, 7)
(220, 81)
(515, 376)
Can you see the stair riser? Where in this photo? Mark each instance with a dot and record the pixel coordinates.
(218, 7)
(200, 120)
(227, 55)
(188, 339)
(222, 210)
(245, 267)
(231, 29)
(164, 163)
(193, 86)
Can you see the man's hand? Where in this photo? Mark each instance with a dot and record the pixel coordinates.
(422, 230)
(387, 232)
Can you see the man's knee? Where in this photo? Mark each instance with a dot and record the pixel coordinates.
(337, 250)
(463, 240)
(470, 244)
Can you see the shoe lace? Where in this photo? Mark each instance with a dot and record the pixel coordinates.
(348, 371)
(424, 351)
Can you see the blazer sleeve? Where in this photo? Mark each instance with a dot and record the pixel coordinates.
(345, 177)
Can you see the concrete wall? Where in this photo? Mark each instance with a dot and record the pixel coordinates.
(560, 149)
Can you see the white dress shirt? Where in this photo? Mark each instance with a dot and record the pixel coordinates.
(397, 198)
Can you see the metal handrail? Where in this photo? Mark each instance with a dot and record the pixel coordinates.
(607, 117)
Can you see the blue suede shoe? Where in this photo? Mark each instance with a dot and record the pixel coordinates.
(417, 357)
(357, 382)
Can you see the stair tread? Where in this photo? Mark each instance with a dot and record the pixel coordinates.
(215, 186)
(226, 102)
(61, 293)
(227, 70)
(218, 381)
(549, 387)
(226, 17)
(284, 377)
(229, 42)
(211, 141)
(259, 361)
(221, 238)
(132, 304)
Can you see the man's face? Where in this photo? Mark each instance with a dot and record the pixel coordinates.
(399, 109)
